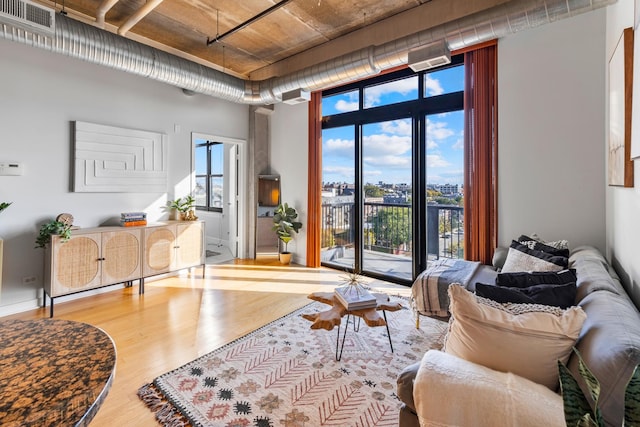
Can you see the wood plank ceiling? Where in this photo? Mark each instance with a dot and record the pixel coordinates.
(267, 46)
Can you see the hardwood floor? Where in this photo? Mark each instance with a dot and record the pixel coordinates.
(181, 318)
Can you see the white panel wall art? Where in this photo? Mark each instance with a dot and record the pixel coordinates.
(110, 159)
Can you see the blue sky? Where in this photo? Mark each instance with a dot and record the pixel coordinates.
(387, 146)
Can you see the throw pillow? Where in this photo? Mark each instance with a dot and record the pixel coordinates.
(521, 258)
(526, 339)
(558, 244)
(562, 296)
(540, 246)
(523, 279)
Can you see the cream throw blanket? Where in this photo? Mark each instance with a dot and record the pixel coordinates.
(449, 391)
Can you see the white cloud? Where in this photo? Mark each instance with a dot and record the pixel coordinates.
(343, 105)
(394, 162)
(439, 130)
(436, 161)
(432, 86)
(397, 127)
(382, 145)
(374, 93)
(340, 147)
(458, 145)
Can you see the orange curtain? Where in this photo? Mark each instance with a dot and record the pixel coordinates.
(314, 181)
(481, 153)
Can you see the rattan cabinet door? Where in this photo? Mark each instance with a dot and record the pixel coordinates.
(75, 264)
(159, 249)
(121, 256)
(190, 245)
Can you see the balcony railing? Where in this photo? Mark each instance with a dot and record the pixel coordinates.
(387, 235)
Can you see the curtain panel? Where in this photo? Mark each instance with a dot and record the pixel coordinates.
(315, 180)
(481, 153)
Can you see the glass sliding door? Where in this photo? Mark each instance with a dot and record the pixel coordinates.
(338, 197)
(387, 231)
(392, 172)
(445, 185)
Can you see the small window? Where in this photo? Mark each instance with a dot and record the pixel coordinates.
(391, 93)
(340, 103)
(444, 81)
(209, 162)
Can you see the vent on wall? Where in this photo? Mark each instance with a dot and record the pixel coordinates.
(28, 15)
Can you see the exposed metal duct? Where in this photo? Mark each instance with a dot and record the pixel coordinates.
(489, 24)
(89, 43)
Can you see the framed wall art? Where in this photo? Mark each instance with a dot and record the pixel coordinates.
(620, 164)
(110, 159)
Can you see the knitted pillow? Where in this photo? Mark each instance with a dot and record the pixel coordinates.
(526, 339)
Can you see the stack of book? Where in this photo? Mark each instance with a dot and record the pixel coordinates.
(133, 219)
(355, 297)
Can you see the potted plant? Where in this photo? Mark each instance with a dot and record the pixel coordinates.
(184, 208)
(285, 224)
(52, 227)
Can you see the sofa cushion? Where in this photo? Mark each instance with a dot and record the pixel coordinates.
(523, 279)
(521, 258)
(558, 244)
(595, 274)
(539, 245)
(562, 296)
(610, 347)
(525, 339)
(405, 385)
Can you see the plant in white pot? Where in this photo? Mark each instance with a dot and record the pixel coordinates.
(285, 225)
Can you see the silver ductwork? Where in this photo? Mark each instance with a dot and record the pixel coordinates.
(89, 43)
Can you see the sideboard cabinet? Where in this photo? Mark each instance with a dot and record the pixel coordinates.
(102, 256)
(173, 247)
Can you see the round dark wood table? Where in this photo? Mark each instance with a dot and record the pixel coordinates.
(53, 372)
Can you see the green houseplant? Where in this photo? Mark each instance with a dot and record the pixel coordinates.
(4, 205)
(183, 207)
(52, 227)
(285, 225)
(577, 409)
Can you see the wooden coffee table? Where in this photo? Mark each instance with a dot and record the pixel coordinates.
(332, 317)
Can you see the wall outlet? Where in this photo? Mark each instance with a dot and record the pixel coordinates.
(29, 279)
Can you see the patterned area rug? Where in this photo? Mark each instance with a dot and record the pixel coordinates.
(285, 374)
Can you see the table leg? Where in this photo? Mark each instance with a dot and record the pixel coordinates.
(386, 324)
(340, 347)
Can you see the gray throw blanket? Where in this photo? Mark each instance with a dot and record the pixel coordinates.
(429, 290)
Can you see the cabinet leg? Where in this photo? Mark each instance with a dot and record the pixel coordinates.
(51, 309)
(141, 286)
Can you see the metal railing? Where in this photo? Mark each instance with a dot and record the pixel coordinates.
(387, 228)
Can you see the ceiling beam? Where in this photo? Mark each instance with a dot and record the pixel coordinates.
(137, 17)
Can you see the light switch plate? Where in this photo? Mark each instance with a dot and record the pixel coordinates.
(11, 168)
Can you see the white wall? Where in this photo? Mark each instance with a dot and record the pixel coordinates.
(289, 156)
(40, 95)
(551, 132)
(623, 204)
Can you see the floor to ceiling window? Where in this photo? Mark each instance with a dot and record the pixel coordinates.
(392, 172)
